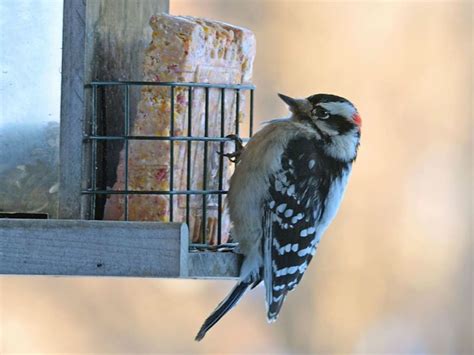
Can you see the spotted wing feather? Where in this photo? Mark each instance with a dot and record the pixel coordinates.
(293, 213)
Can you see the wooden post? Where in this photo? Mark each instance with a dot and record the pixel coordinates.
(72, 108)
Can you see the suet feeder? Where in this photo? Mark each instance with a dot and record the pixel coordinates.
(119, 214)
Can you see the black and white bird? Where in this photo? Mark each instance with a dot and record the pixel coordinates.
(284, 193)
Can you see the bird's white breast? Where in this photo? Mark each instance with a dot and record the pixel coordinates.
(333, 201)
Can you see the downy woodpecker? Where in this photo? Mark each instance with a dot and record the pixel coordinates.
(286, 189)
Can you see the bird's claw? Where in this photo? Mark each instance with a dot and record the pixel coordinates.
(235, 156)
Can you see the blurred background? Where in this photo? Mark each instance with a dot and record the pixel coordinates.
(394, 271)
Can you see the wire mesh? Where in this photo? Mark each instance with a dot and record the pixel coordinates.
(98, 133)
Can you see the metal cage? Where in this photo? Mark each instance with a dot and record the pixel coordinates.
(96, 131)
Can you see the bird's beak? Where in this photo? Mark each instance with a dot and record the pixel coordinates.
(295, 105)
(288, 100)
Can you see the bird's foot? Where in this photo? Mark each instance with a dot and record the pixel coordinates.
(234, 157)
(226, 247)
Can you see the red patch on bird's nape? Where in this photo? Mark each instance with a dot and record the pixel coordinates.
(357, 119)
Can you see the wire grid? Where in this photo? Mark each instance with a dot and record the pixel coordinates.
(93, 137)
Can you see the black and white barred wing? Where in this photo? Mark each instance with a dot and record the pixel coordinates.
(295, 205)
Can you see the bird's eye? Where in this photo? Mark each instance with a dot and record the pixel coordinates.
(320, 113)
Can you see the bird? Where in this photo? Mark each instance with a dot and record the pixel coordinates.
(286, 189)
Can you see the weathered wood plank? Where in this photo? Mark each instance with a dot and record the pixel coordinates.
(93, 248)
(107, 248)
(213, 265)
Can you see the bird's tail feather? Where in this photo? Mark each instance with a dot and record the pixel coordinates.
(225, 306)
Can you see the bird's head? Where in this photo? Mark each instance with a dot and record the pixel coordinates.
(333, 117)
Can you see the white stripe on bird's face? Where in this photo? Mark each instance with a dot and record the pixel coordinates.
(340, 108)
